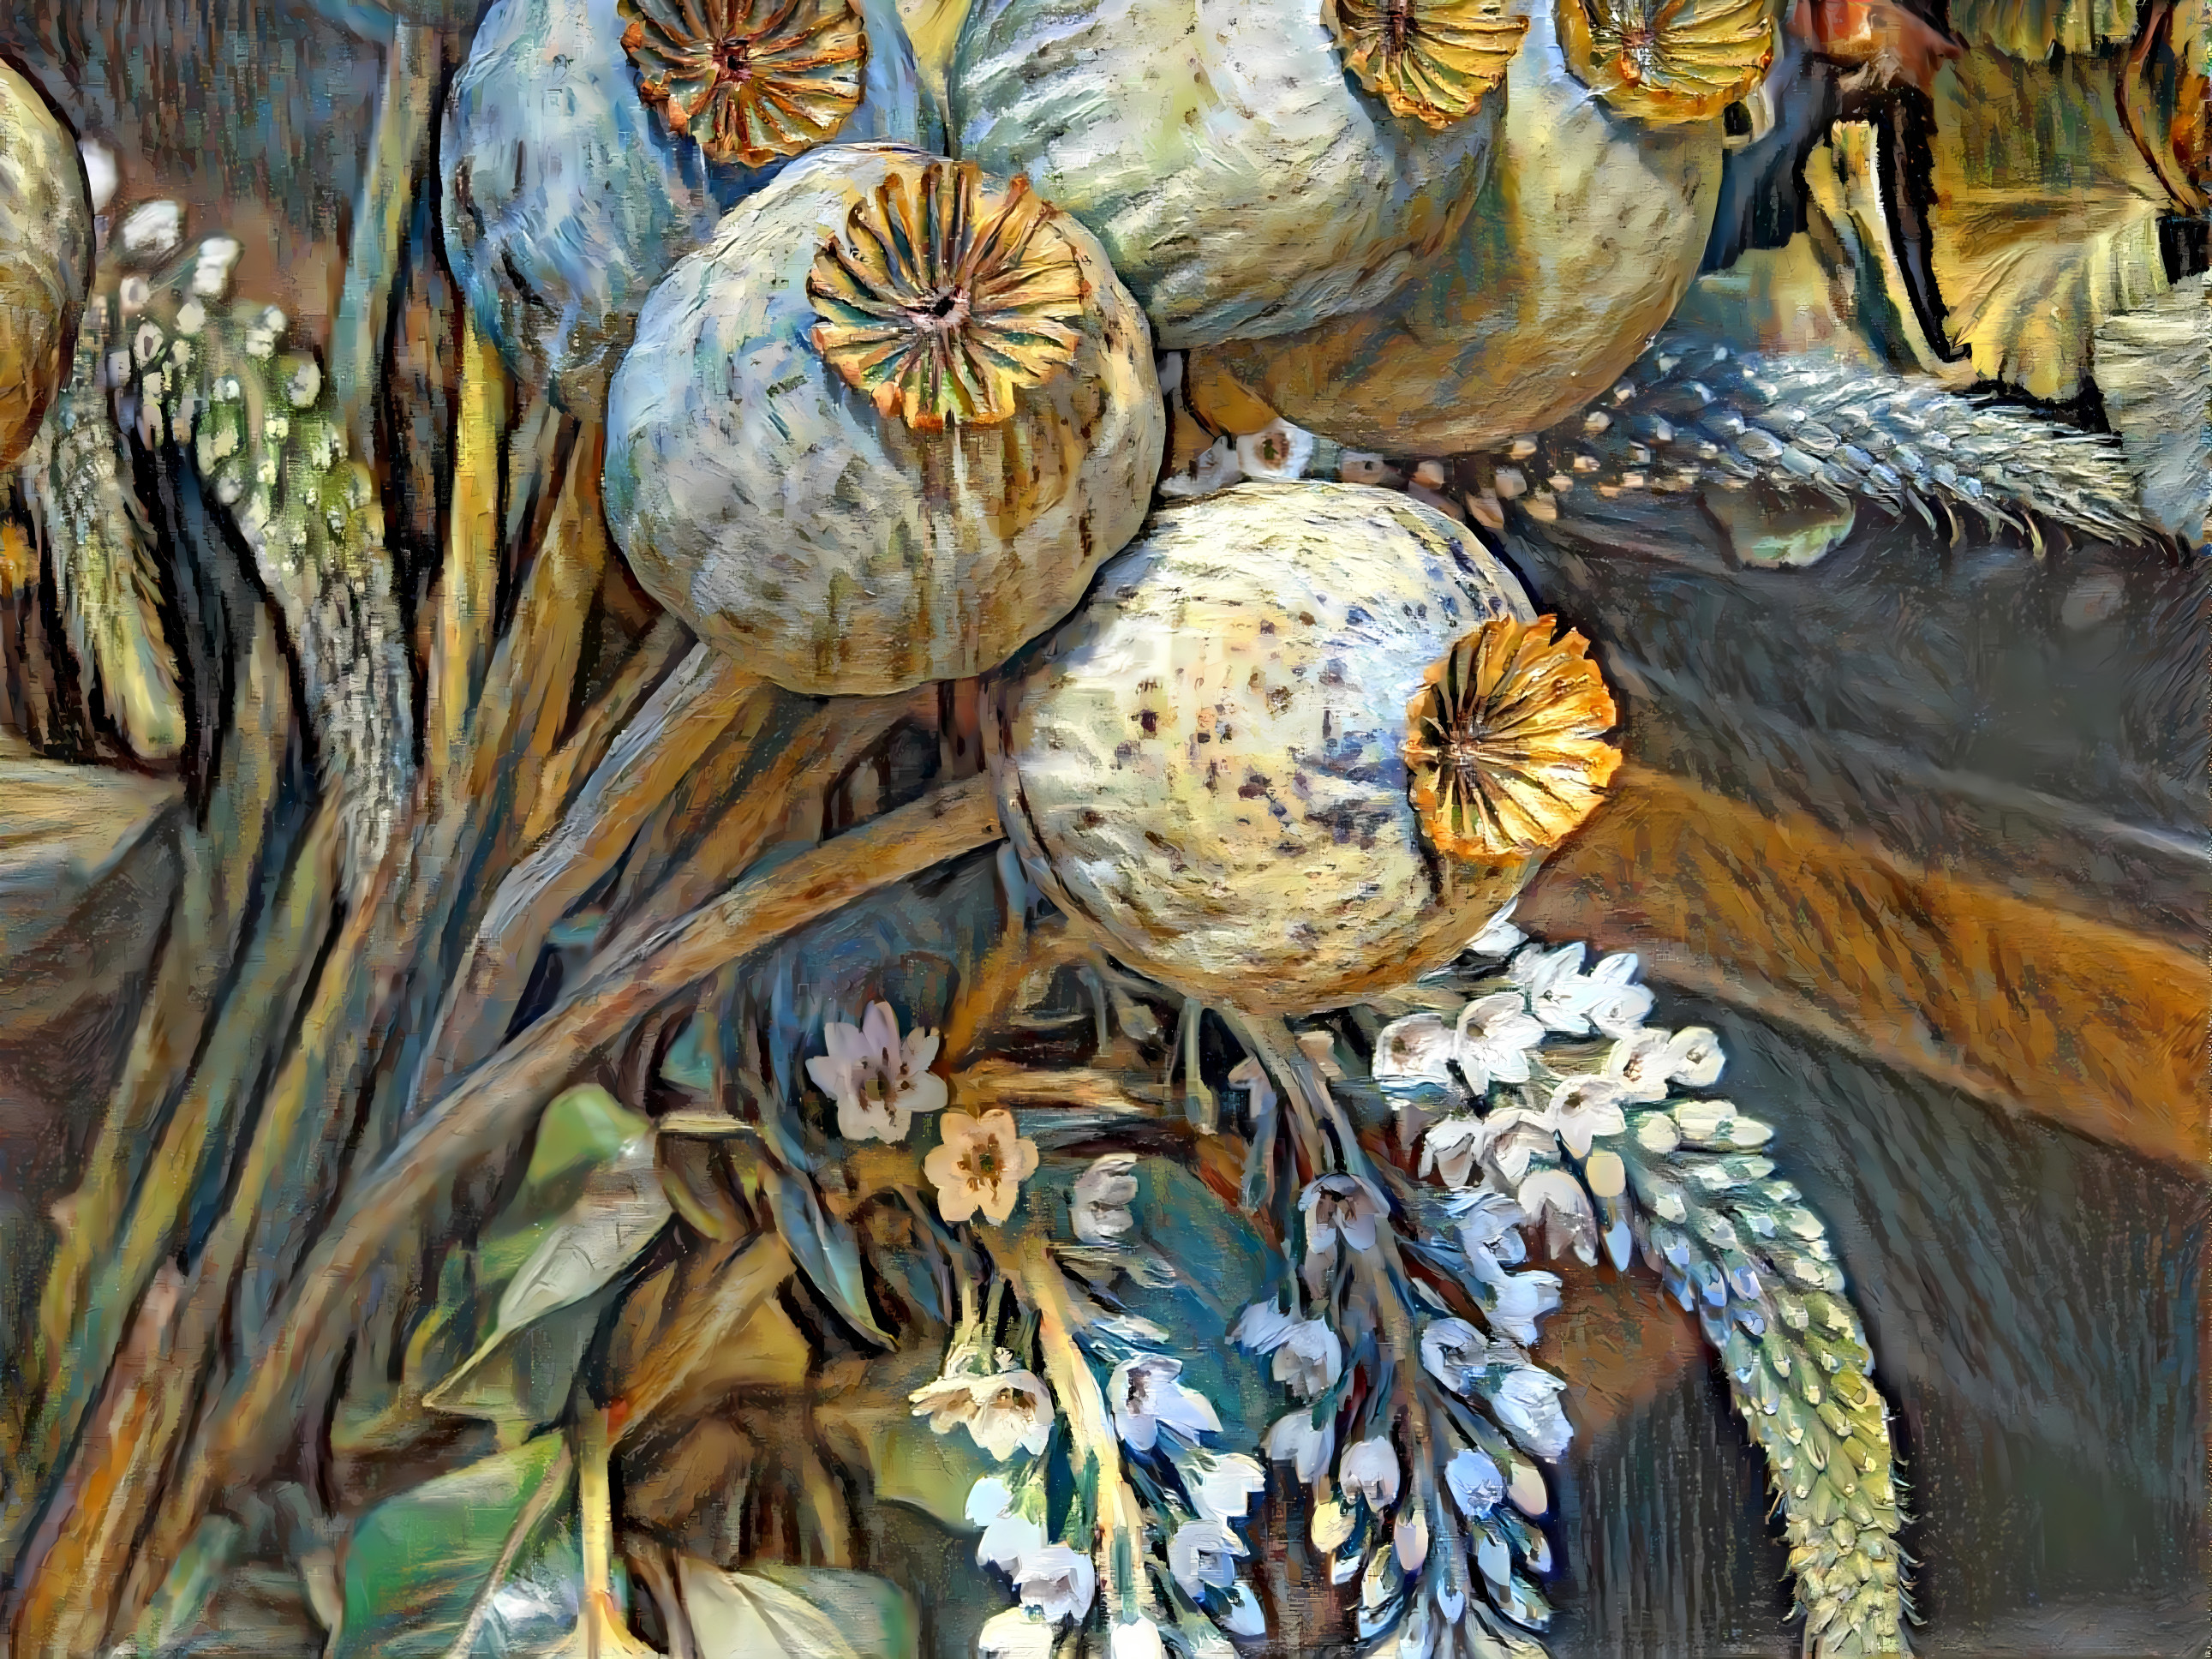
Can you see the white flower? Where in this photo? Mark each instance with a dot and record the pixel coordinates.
(1490, 1225)
(979, 1163)
(1493, 1036)
(1000, 1411)
(1514, 1302)
(1450, 1148)
(1008, 1536)
(1558, 992)
(1557, 1200)
(1147, 1398)
(1369, 1470)
(1309, 1359)
(1513, 1137)
(1410, 1538)
(1202, 1554)
(1453, 1352)
(1638, 1064)
(1137, 1638)
(1475, 1481)
(1415, 1053)
(1694, 1057)
(1251, 1077)
(1277, 451)
(877, 1081)
(1295, 1440)
(1213, 468)
(154, 229)
(100, 172)
(1584, 1108)
(1617, 970)
(1261, 1327)
(1057, 1581)
(1100, 1203)
(1620, 1011)
(1222, 1486)
(1244, 1619)
(1526, 1401)
(1491, 1556)
(1017, 1633)
(1338, 1205)
(1500, 937)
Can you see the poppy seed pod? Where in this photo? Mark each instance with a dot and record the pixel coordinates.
(1253, 167)
(589, 144)
(1588, 233)
(886, 428)
(46, 257)
(1302, 744)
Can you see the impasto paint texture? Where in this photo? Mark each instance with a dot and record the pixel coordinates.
(1104, 829)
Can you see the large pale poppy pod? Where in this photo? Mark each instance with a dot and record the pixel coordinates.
(1302, 742)
(885, 429)
(46, 257)
(1252, 167)
(1579, 246)
(589, 144)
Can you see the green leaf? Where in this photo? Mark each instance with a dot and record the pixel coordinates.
(797, 1612)
(419, 1564)
(583, 1129)
(823, 1246)
(907, 1463)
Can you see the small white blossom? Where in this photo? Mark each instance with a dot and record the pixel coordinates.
(1295, 1440)
(1638, 1063)
(1100, 1203)
(1454, 1353)
(1338, 1206)
(1416, 1053)
(1490, 1225)
(1203, 1553)
(1057, 1581)
(877, 1080)
(1309, 1360)
(1261, 1327)
(1526, 1402)
(1493, 1036)
(1136, 1638)
(1559, 992)
(153, 230)
(1244, 1619)
(1278, 450)
(979, 1163)
(1000, 1411)
(1491, 1556)
(1475, 1481)
(1008, 1536)
(1017, 1633)
(1221, 1485)
(1694, 1057)
(1409, 1538)
(1557, 1199)
(1450, 1147)
(1582, 1108)
(1147, 1398)
(1215, 467)
(1500, 937)
(1369, 1470)
(1514, 1302)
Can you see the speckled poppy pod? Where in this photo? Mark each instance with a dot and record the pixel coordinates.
(589, 144)
(1302, 744)
(885, 429)
(46, 257)
(1253, 167)
(1584, 238)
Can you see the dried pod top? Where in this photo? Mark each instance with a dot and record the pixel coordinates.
(940, 299)
(46, 257)
(1666, 61)
(752, 80)
(1427, 60)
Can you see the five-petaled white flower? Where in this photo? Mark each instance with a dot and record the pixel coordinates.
(1203, 1553)
(877, 1081)
(1057, 1581)
(1369, 1470)
(979, 1165)
(1694, 1057)
(1306, 1448)
(1221, 1485)
(1416, 1053)
(1454, 1353)
(1147, 1398)
(1493, 1035)
(1100, 1202)
(1526, 1401)
(1016, 1633)
(1450, 1147)
(1008, 1535)
(1338, 1206)
(1582, 1108)
(1475, 1481)
(1000, 1409)
(1638, 1064)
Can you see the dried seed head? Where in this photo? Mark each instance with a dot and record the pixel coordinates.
(1427, 60)
(1668, 61)
(751, 79)
(1505, 742)
(942, 300)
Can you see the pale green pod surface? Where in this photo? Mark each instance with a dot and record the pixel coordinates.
(46, 257)
(1244, 178)
(863, 529)
(1581, 244)
(572, 185)
(1209, 766)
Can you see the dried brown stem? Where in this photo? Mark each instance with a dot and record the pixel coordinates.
(663, 645)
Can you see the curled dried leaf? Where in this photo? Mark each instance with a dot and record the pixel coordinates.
(943, 298)
(751, 79)
(1668, 61)
(1506, 741)
(1427, 60)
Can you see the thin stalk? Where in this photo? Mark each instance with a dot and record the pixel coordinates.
(577, 758)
